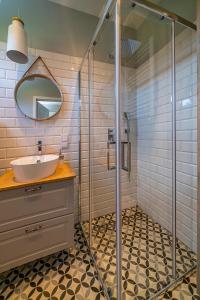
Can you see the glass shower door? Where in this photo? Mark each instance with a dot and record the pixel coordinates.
(84, 188)
(157, 153)
(147, 231)
(186, 148)
(102, 157)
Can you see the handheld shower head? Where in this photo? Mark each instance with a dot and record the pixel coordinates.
(126, 115)
(127, 118)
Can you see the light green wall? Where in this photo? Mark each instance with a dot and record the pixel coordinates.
(57, 28)
(50, 26)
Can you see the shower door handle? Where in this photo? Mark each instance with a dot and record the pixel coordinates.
(109, 167)
(126, 163)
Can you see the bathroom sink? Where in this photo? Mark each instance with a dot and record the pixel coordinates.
(34, 167)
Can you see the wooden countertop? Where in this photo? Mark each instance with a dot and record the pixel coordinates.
(63, 172)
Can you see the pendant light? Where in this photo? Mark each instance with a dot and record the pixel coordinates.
(17, 49)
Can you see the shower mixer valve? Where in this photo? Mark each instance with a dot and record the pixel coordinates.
(111, 135)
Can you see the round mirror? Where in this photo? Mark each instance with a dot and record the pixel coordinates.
(38, 97)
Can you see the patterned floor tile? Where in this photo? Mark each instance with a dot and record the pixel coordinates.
(186, 289)
(70, 275)
(66, 275)
(146, 254)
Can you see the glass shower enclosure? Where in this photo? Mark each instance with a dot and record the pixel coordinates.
(138, 149)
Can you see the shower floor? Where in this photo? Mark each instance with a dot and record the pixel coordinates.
(146, 254)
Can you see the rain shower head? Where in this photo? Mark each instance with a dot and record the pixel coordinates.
(129, 47)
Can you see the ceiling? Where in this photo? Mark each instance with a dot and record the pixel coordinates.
(67, 26)
(50, 26)
(135, 21)
(91, 7)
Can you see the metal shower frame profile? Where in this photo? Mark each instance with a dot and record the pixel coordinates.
(117, 4)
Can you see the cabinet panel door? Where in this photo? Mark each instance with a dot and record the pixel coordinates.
(33, 241)
(35, 203)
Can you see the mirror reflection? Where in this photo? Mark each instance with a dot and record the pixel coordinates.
(38, 97)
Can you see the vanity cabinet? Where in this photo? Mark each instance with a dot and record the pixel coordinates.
(35, 220)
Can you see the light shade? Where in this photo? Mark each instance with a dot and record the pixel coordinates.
(17, 49)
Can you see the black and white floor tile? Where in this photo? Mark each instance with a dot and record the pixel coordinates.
(71, 275)
(64, 275)
(146, 254)
(186, 289)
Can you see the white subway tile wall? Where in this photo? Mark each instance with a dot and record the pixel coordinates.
(102, 118)
(147, 97)
(19, 134)
(149, 101)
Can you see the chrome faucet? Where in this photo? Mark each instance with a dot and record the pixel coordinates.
(39, 144)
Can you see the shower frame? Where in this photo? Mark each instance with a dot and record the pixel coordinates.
(116, 5)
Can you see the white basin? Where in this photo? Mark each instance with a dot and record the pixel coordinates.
(34, 167)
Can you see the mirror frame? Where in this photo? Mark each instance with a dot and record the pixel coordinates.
(24, 78)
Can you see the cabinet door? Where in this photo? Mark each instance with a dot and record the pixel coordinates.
(35, 203)
(25, 244)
